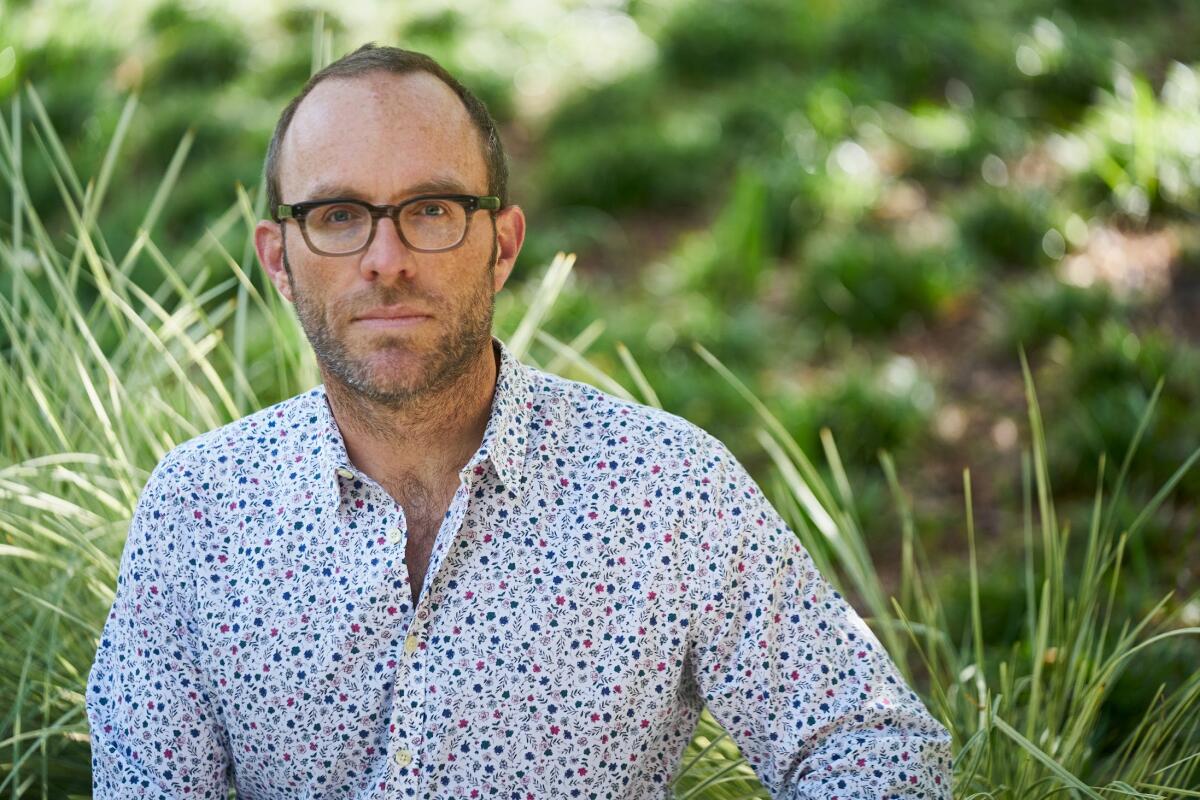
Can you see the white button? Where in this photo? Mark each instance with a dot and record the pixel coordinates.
(403, 758)
(393, 535)
(345, 473)
(412, 643)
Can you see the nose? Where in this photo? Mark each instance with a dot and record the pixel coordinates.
(387, 256)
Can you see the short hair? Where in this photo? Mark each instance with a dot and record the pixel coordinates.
(373, 58)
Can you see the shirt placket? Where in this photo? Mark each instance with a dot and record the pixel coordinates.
(408, 726)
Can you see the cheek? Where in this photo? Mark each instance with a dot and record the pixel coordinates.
(456, 281)
(319, 283)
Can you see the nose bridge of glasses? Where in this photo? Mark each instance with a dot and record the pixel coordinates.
(384, 214)
(389, 212)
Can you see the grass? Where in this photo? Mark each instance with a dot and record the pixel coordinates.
(103, 375)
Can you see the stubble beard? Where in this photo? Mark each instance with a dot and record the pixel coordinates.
(452, 357)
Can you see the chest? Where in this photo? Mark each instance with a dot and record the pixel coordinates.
(422, 532)
(424, 510)
(516, 614)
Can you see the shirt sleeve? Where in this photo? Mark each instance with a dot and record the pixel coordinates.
(154, 731)
(793, 674)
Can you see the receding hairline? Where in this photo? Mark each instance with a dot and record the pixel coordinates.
(371, 58)
(381, 76)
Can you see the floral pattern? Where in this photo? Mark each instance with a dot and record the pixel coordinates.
(604, 571)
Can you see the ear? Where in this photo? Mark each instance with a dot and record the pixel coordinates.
(510, 235)
(268, 242)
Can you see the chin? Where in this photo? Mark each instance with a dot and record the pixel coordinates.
(385, 369)
(386, 387)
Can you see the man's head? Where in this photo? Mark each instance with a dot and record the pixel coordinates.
(383, 126)
(392, 60)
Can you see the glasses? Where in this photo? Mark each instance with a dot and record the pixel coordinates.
(430, 223)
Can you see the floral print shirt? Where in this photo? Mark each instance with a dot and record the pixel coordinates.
(604, 571)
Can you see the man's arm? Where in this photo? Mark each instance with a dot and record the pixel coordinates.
(154, 731)
(789, 669)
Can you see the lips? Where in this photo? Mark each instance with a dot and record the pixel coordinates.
(393, 313)
(393, 317)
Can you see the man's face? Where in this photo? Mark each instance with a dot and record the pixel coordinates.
(384, 138)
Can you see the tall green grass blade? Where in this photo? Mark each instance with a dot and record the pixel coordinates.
(547, 292)
(577, 347)
(601, 379)
(108, 167)
(1065, 777)
(17, 177)
(980, 664)
(1052, 558)
(165, 186)
(1135, 442)
(59, 161)
(242, 391)
(649, 397)
(1163, 493)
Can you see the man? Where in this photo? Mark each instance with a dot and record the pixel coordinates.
(443, 573)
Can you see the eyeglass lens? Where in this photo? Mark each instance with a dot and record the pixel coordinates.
(426, 224)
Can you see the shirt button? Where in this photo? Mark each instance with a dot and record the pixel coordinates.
(412, 643)
(403, 758)
(393, 535)
(345, 473)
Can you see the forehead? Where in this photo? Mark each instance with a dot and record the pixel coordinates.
(379, 134)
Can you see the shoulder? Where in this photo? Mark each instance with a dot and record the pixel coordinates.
(595, 413)
(268, 432)
(592, 423)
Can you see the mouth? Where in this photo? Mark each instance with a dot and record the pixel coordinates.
(392, 318)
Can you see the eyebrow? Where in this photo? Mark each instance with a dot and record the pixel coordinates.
(439, 185)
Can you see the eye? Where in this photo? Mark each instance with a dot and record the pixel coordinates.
(340, 214)
(428, 210)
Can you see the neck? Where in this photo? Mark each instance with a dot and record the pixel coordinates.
(429, 438)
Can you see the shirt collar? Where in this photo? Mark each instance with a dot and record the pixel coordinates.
(504, 444)
(505, 440)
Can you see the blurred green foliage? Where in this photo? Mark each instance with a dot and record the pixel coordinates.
(1033, 313)
(1110, 374)
(870, 285)
(1005, 228)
